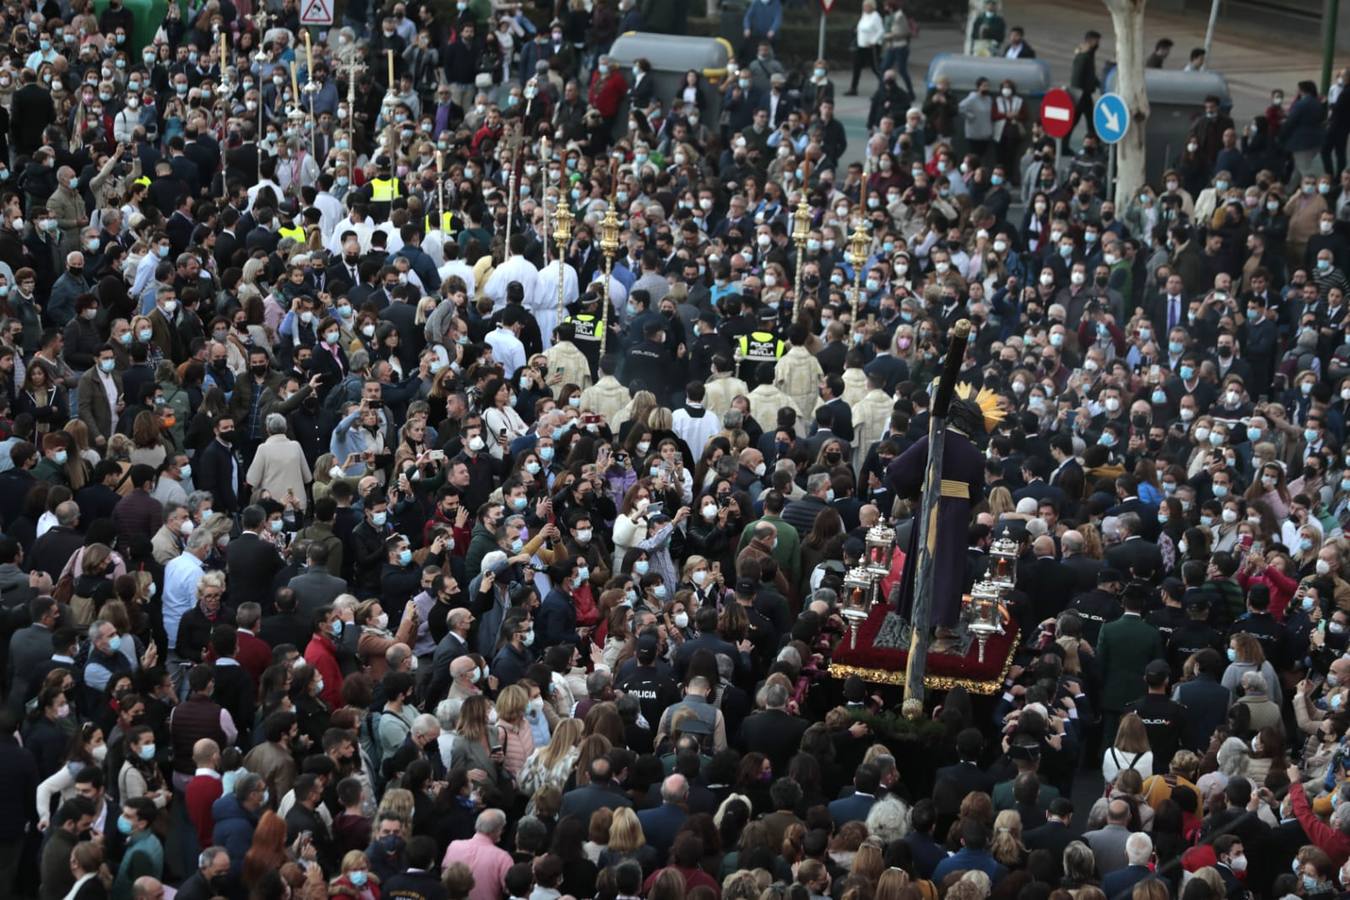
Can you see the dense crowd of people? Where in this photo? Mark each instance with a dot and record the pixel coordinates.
(355, 545)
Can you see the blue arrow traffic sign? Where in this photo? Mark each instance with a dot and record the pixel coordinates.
(1111, 117)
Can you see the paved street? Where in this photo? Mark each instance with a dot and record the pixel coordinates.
(1253, 62)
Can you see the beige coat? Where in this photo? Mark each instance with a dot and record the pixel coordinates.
(720, 390)
(871, 417)
(798, 375)
(766, 400)
(280, 466)
(566, 360)
(67, 207)
(606, 397)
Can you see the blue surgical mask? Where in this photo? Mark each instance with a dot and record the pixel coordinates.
(336, 627)
(1232, 655)
(114, 643)
(583, 575)
(518, 503)
(1159, 397)
(404, 556)
(124, 825)
(379, 518)
(1186, 373)
(1174, 347)
(642, 567)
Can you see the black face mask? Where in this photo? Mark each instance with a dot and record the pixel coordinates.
(219, 364)
(259, 371)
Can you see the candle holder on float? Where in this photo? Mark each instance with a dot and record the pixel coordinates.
(860, 588)
(984, 612)
(1003, 560)
(877, 550)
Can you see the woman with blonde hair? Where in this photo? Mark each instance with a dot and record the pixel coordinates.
(553, 763)
(627, 841)
(518, 741)
(1092, 541)
(1001, 503)
(79, 437)
(1006, 843)
(355, 880)
(892, 884)
(474, 749)
(867, 862)
(1130, 751)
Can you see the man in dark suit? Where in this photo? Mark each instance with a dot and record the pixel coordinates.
(1121, 882)
(602, 791)
(217, 469)
(660, 824)
(1083, 568)
(286, 626)
(1034, 470)
(234, 688)
(825, 431)
(708, 639)
(1231, 857)
(774, 731)
(31, 111)
(892, 368)
(1134, 555)
(1127, 493)
(252, 561)
(967, 774)
(1046, 581)
(317, 587)
(1067, 475)
(1055, 834)
(841, 414)
(856, 806)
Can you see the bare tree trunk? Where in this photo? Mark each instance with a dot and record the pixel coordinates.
(1127, 17)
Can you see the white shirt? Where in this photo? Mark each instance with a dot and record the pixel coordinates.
(180, 591)
(330, 208)
(462, 269)
(506, 349)
(696, 432)
(363, 231)
(545, 294)
(517, 268)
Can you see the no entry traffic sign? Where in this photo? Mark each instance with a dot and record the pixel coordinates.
(1057, 113)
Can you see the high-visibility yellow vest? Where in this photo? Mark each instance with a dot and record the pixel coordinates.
(763, 346)
(383, 190)
(447, 223)
(295, 232)
(143, 180)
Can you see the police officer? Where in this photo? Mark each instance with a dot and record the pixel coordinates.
(1164, 718)
(759, 346)
(649, 679)
(707, 343)
(650, 365)
(585, 320)
(1260, 624)
(1171, 616)
(384, 189)
(1100, 605)
(1195, 635)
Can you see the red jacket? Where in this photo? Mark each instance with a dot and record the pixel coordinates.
(1331, 841)
(1282, 588)
(607, 96)
(322, 655)
(254, 654)
(202, 791)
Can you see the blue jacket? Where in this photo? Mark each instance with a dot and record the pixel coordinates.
(557, 622)
(234, 829)
(660, 824)
(422, 265)
(970, 859)
(1303, 128)
(853, 808)
(1122, 881)
(763, 16)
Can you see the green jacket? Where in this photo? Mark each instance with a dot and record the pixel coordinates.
(788, 552)
(481, 544)
(1124, 648)
(1003, 795)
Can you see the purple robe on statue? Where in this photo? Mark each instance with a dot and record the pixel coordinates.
(962, 464)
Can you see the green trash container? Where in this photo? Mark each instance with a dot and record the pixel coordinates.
(147, 15)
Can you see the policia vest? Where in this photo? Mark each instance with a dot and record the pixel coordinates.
(755, 348)
(587, 337)
(294, 232)
(383, 192)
